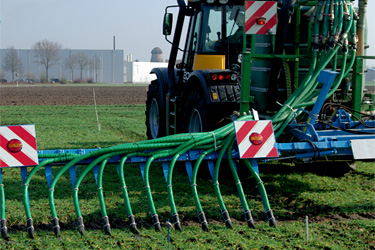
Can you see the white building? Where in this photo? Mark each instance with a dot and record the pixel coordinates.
(139, 72)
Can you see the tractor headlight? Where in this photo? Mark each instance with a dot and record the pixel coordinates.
(233, 77)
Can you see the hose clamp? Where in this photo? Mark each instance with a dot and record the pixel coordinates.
(214, 136)
(287, 105)
(313, 115)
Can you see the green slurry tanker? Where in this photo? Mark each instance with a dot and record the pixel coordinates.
(258, 81)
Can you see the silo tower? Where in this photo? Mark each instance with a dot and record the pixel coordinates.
(156, 55)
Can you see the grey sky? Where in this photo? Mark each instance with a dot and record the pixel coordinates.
(91, 24)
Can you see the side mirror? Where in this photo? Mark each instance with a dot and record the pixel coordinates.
(167, 24)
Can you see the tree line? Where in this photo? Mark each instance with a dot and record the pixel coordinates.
(46, 54)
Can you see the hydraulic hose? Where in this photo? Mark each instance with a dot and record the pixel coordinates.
(223, 209)
(245, 207)
(3, 224)
(201, 215)
(271, 219)
(129, 212)
(26, 205)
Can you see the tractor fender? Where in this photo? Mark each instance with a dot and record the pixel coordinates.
(162, 77)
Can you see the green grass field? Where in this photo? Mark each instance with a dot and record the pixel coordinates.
(339, 202)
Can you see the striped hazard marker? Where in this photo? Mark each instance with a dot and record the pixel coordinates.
(260, 17)
(18, 146)
(255, 139)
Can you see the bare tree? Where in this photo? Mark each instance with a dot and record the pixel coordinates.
(96, 67)
(47, 53)
(69, 63)
(12, 62)
(82, 61)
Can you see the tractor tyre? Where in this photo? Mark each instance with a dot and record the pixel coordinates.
(197, 118)
(155, 111)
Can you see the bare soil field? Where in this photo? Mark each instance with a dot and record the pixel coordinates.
(72, 95)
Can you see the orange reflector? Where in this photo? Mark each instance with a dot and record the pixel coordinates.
(14, 145)
(214, 77)
(261, 20)
(256, 138)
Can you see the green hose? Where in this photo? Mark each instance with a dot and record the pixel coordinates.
(223, 209)
(245, 207)
(26, 205)
(129, 212)
(201, 215)
(4, 229)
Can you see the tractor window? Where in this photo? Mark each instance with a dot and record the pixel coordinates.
(235, 18)
(235, 23)
(212, 33)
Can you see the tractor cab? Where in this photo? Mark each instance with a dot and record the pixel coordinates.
(215, 34)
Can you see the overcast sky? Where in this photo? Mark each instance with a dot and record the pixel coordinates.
(91, 24)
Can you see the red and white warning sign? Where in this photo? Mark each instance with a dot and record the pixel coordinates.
(255, 139)
(261, 17)
(18, 146)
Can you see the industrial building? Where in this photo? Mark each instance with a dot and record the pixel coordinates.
(104, 66)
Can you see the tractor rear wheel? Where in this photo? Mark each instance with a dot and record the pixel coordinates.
(155, 111)
(203, 117)
(197, 114)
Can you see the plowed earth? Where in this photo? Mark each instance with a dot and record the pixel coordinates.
(72, 95)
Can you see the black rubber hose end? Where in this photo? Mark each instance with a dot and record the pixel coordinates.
(203, 221)
(106, 225)
(133, 225)
(155, 221)
(81, 226)
(249, 219)
(56, 226)
(271, 219)
(30, 228)
(176, 222)
(4, 229)
(226, 218)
